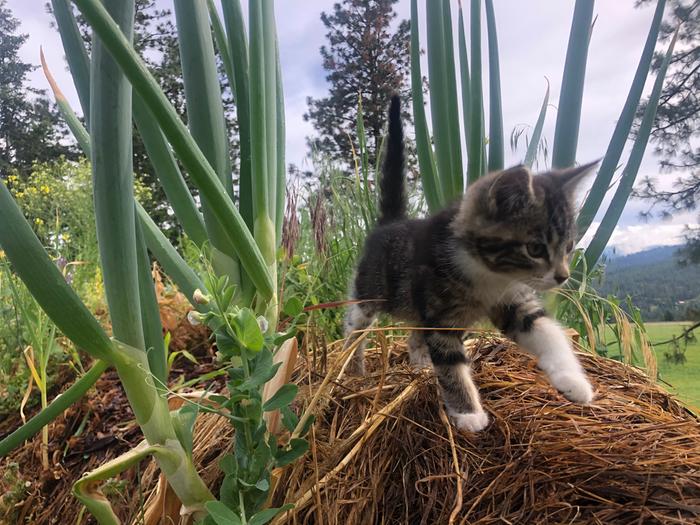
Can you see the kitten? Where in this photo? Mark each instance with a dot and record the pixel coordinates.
(486, 256)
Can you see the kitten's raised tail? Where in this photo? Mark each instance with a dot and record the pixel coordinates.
(392, 194)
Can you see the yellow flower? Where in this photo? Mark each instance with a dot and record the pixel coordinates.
(45, 189)
(38, 221)
(65, 237)
(12, 178)
(32, 190)
(19, 194)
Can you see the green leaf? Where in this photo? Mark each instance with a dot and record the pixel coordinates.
(297, 448)
(496, 151)
(464, 73)
(222, 44)
(168, 173)
(248, 331)
(171, 261)
(150, 313)
(238, 46)
(183, 422)
(289, 419)
(629, 173)
(221, 514)
(456, 177)
(76, 55)
(205, 119)
(76, 127)
(571, 95)
(46, 282)
(440, 100)
(280, 146)
(270, 107)
(281, 398)
(293, 306)
(258, 123)
(229, 465)
(263, 371)
(264, 516)
(476, 163)
(622, 129)
(183, 144)
(531, 153)
(424, 149)
(110, 133)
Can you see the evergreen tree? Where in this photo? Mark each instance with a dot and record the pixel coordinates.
(677, 125)
(364, 57)
(30, 129)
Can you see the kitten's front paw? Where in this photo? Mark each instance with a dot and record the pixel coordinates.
(471, 422)
(574, 386)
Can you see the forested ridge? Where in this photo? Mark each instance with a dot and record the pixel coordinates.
(662, 288)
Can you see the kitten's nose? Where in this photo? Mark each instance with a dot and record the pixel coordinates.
(560, 278)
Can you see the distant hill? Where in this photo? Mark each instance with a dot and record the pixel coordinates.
(658, 285)
(648, 256)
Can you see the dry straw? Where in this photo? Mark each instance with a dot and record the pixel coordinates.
(383, 451)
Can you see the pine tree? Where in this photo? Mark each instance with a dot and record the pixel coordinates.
(364, 57)
(30, 129)
(677, 125)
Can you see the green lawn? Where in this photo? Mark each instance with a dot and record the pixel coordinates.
(683, 378)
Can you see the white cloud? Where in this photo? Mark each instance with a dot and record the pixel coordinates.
(639, 237)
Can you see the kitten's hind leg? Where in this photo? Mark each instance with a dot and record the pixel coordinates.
(357, 318)
(453, 370)
(418, 352)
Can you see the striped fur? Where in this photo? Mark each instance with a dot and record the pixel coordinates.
(485, 257)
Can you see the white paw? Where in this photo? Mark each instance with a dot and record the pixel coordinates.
(471, 422)
(574, 386)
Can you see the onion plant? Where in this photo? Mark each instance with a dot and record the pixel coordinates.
(440, 152)
(115, 89)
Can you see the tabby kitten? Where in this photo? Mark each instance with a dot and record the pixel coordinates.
(486, 256)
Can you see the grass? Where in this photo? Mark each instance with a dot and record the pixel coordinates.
(682, 379)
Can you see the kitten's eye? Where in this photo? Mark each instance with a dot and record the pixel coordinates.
(536, 250)
(570, 247)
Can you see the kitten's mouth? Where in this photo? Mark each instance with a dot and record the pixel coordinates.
(541, 285)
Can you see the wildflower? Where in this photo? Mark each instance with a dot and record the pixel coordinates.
(44, 189)
(61, 262)
(38, 221)
(200, 298)
(194, 317)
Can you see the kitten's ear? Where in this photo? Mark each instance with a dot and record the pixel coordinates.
(570, 178)
(510, 191)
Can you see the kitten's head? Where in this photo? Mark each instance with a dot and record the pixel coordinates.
(522, 226)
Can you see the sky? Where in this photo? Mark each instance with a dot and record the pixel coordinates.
(532, 40)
